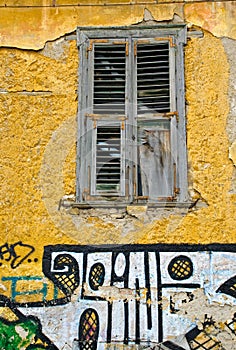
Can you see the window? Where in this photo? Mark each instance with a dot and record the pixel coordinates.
(131, 138)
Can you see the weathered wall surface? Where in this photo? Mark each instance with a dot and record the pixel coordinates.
(38, 98)
(49, 19)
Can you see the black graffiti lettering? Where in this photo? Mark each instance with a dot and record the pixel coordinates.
(21, 252)
(15, 253)
(5, 252)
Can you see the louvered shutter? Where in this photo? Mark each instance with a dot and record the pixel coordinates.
(108, 111)
(109, 79)
(108, 158)
(155, 101)
(153, 78)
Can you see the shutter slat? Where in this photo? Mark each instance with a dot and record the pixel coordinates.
(151, 86)
(147, 62)
(157, 99)
(153, 75)
(150, 83)
(116, 83)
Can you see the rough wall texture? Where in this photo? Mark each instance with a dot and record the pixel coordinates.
(38, 97)
(230, 48)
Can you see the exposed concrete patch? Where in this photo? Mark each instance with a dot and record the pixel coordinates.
(137, 211)
(147, 15)
(232, 152)
(56, 49)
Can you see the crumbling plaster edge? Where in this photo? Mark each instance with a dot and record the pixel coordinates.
(146, 14)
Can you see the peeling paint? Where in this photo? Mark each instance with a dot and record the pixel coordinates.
(47, 22)
(218, 313)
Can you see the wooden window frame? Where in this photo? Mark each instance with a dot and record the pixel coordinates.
(86, 193)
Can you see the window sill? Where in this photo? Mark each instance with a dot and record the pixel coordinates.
(124, 205)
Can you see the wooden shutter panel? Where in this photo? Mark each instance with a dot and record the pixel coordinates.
(153, 81)
(155, 163)
(108, 101)
(131, 80)
(155, 170)
(109, 79)
(107, 165)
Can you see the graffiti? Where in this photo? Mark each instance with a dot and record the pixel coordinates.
(65, 273)
(15, 253)
(231, 324)
(229, 287)
(15, 292)
(22, 333)
(143, 294)
(18, 289)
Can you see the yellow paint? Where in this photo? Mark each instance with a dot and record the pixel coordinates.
(38, 99)
(217, 17)
(30, 24)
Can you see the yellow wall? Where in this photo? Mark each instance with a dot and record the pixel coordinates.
(38, 99)
(29, 24)
(38, 118)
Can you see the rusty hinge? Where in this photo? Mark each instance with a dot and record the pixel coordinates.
(123, 43)
(135, 49)
(171, 114)
(141, 198)
(91, 42)
(167, 199)
(127, 49)
(169, 38)
(176, 191)
(141, 41)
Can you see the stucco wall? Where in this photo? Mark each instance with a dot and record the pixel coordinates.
(38, 97)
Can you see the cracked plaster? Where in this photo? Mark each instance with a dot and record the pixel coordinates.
(48, 22)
